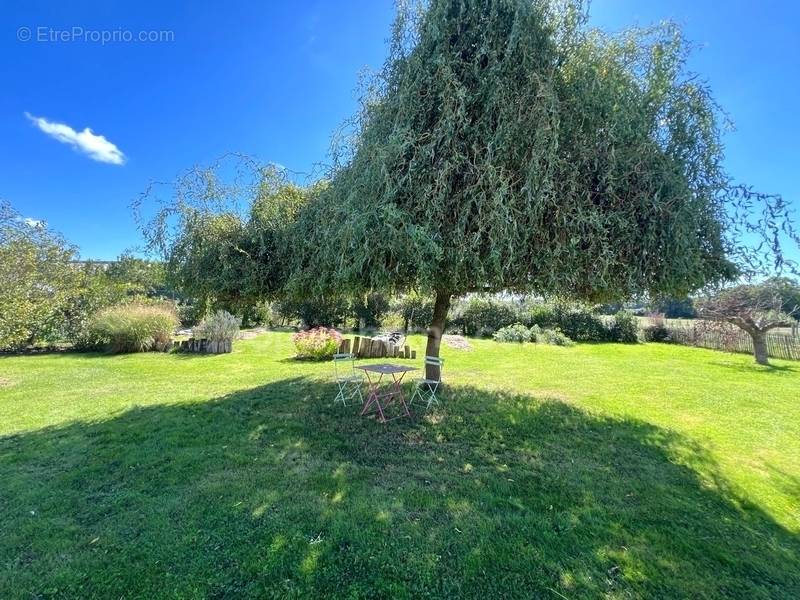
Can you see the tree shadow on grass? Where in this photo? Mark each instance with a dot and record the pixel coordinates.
(275, 492)
(753, 368)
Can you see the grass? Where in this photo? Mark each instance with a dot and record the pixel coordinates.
(593, 471)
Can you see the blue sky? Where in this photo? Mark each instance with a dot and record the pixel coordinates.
(274, 79)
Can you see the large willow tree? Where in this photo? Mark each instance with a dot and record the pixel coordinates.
(507, 146)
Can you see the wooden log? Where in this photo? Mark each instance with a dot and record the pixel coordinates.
(407, 352)
(413, 354)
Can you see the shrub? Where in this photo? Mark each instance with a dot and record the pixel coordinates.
(318, 343)
(222, 326)
(519, 333)
(133, 327)
(554, 337)
(625, 328)
(657, 332)
(394, 321)
(483, 316)
(415, 310)
(577, 322)
(513, 333)
(315, 312)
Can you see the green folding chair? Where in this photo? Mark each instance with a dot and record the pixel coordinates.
(347, 379)
(425, 389)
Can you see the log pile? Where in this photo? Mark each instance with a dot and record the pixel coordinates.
(373, 348)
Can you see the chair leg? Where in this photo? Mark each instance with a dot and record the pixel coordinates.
(356, 392)
(340, 396)
(432, 396)
(416, 393)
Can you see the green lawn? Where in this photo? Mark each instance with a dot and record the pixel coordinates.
(593, 471)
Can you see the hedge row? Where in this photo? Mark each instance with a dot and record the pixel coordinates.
(484, 316)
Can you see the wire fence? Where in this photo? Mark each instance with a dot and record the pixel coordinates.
(731, 339)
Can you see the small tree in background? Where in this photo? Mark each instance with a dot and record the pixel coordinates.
(223, 231)
(756, 309)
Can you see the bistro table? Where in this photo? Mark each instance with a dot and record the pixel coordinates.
(390, 394)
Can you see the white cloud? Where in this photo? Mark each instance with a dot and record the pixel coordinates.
(96, 147)
(33, 222)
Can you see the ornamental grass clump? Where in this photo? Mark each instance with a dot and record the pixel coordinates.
(318, 343)
(134, 327)
(222, 326)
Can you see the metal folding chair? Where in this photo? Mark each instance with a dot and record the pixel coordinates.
(347, 379)
(425, 388)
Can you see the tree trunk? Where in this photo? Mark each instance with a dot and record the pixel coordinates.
(760, 347)
(435, 331)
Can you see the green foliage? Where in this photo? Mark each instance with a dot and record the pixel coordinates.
(393, 321)
(625, 328)
(554, 337)
(222, 326)
(141, 277)
(316, 312)
(788, 290)
(134, 327)
(480, 316)
(225, 231)
(38, 281)
(513, 333)
(577, 321)
(656, 332)
(520, 333)
(415, 310)
(607, 185)
(370, 309)
(318, 343)
(92, 290)
(675, 308)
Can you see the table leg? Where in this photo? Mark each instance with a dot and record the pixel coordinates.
(399, 391)
(373, 396)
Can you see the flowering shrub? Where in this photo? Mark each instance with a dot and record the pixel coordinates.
(317, 343)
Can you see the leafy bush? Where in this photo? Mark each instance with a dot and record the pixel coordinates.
(577, 322)
(656, 332)
(315, 312)
(134, 327)
(415, 312)
(318, 343)
(369, 310)
(625, 328)
(483, 316)
(675, 308)
(519, 333)
(394, 321)
(554, 337)
(513, 333)
(222, 326)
